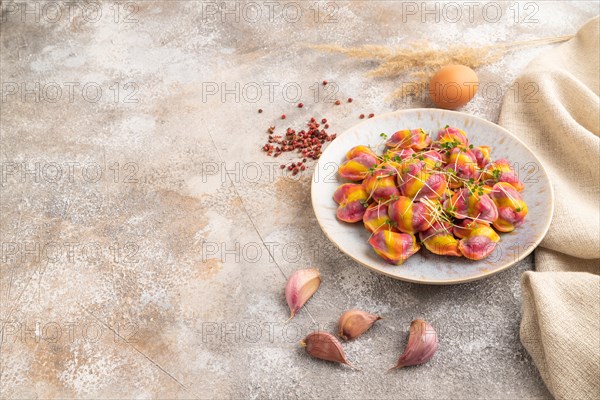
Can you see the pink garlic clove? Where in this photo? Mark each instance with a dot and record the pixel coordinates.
(300, 287)
(325, 346)
(354, 323)
(422, 344)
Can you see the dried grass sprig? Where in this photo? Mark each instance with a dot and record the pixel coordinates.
(419, 60)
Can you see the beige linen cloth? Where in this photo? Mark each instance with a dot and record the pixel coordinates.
(561, 300)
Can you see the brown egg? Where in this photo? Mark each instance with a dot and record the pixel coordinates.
(453, 86)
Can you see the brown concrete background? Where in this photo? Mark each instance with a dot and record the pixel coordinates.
(131, 264)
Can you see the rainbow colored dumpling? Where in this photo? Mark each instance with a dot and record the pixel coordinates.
(417, 181)
(432, 158)
(480, 243)
(416, 139)
(399, 154)
(409, 217)
(482, 155)
(394, 247)
(439, 240)
(452, 135)
(467, 204)
(501, 171)
(376, 218)
(462, 162)
(360, 160)
(380, 184)
(464, 227)
(512, 210)
(352, 200)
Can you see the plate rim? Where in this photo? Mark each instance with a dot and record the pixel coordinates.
(315, 182)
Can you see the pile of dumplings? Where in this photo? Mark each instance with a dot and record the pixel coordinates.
(446, 192)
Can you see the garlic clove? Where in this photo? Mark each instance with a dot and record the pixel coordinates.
(301, 285)
(325, 346)
(354, 323)
(422, 344)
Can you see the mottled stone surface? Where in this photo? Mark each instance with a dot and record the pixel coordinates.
(135, 203)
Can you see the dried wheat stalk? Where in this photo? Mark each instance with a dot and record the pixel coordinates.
(420, 61)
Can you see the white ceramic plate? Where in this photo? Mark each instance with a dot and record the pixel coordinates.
(426, 267)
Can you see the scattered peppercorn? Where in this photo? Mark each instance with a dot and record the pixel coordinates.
(371, 115)
(325, 83)
(306, 142)
(283, 116)
(324, 120)
(300, 105)
(337, 102)
(260, 110)
(361, 116)
(349, 99)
